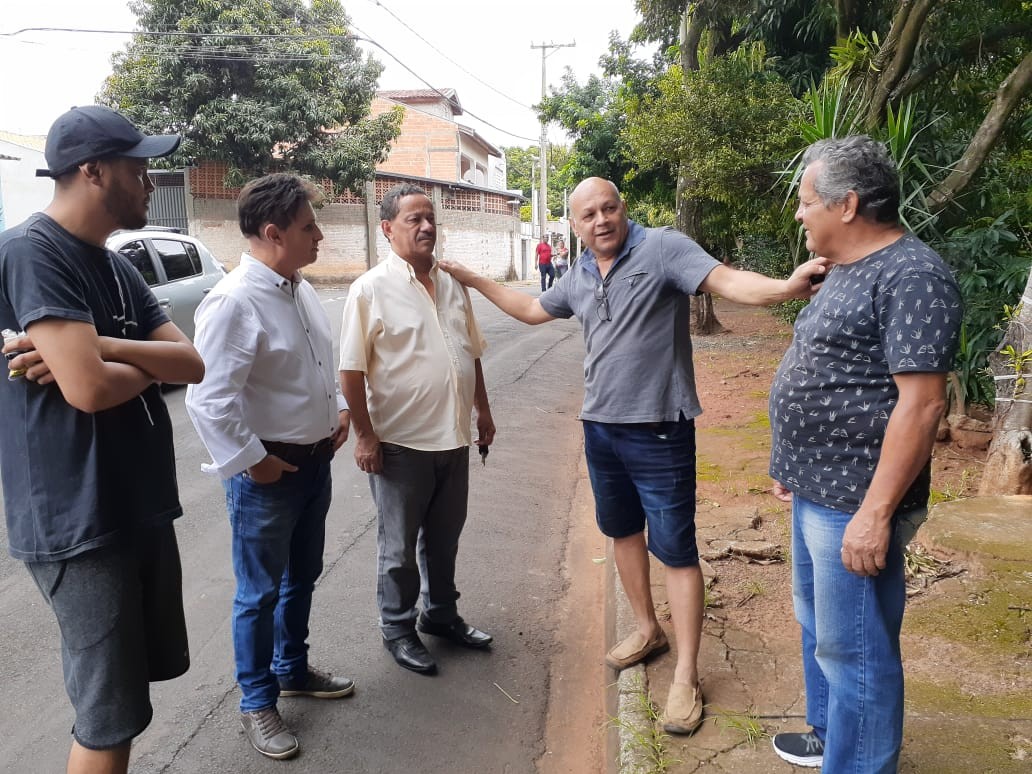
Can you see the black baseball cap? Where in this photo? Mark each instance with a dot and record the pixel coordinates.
(95, 132)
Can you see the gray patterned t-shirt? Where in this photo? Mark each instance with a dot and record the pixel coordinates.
(897, 310)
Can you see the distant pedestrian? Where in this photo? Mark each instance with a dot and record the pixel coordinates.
(271, 416)
(544, 256)
(410, 367)
(854, 409)
(630, 292)
(89, 472)
(561, 261)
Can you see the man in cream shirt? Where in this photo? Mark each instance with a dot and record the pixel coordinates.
(410, 370)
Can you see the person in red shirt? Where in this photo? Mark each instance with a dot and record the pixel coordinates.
(544, 255)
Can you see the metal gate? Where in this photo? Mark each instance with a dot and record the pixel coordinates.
(168, 201)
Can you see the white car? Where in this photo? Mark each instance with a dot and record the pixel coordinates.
(179, 269)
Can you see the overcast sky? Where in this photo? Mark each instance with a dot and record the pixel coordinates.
(45, 73)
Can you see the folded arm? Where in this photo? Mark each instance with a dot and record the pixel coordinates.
(70, 353)
(167, 355)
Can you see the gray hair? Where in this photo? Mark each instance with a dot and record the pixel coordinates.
(391, 202)
(859, 164)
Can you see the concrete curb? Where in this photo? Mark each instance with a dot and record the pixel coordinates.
(628, 720)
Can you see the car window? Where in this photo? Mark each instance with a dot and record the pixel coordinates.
(180, 259)
(136, 252)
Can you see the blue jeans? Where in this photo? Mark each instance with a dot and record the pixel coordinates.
(547, 270)
(278, 534)
(645, 473)
(851, 656)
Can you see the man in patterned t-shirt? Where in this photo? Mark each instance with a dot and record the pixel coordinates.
(854, 409)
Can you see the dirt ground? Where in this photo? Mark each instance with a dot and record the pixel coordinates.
(749, 656)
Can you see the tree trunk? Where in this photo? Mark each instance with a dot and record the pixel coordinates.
(845, 18)
(689, 211)
(1008, 469)
(1013, 89)
(689, 221)
(894, 60)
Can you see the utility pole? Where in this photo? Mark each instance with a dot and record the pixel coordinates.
(543, 191)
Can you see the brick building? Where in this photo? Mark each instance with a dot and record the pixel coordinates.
(432, 144)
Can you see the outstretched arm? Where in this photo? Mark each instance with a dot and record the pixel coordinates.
(515, 304)
(748, 287)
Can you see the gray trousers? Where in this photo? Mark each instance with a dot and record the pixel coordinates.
(421, 502)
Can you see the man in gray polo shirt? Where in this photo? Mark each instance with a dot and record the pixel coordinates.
(630, 290)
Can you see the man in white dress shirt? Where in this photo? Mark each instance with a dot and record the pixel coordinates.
(410, 369)
(271, 416)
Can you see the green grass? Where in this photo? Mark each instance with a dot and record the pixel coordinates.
(645, 745)
(745, 723)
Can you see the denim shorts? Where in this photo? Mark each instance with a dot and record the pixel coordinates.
(644, 475)
(120, 611)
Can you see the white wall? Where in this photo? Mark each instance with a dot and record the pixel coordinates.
(23, 193)
(486, 242)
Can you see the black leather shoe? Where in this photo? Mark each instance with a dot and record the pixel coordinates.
(458, 631)
(410, 653)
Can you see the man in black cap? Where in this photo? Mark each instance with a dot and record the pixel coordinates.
(86, 452)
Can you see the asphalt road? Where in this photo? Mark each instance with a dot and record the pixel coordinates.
(484, 712)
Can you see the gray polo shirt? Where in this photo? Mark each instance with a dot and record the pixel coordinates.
(638, 366)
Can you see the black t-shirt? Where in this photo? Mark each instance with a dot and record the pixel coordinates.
(74, 481)
(897, 310)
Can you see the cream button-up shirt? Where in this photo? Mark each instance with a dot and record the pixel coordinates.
(417, 354)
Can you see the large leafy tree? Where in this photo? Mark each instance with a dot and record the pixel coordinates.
(732, 120)
(256, 84)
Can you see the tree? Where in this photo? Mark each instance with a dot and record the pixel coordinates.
(519, 163)
(589, 114)
(255, 84)
(732, 119)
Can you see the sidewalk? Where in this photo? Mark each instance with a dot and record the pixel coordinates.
(967, 634)
(969, 682)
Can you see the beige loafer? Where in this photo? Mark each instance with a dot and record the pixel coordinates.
(636, 648)
(683, 713)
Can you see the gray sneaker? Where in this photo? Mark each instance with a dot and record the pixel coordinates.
(319, 684)
(800, 749)
(268, 734)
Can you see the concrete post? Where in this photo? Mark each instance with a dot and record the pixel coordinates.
(438, 200)
(372, 223)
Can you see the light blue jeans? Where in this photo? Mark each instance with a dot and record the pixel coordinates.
(850, 625)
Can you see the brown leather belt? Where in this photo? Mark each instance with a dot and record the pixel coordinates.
(301, 453)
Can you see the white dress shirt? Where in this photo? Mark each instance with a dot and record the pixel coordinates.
(268, 359)
(417, 353)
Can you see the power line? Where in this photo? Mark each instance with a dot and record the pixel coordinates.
(199, 53)
(440, 93)
(448, 58)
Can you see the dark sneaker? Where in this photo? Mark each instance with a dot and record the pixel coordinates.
(800, 749)
(268, 734)
(319, 684)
